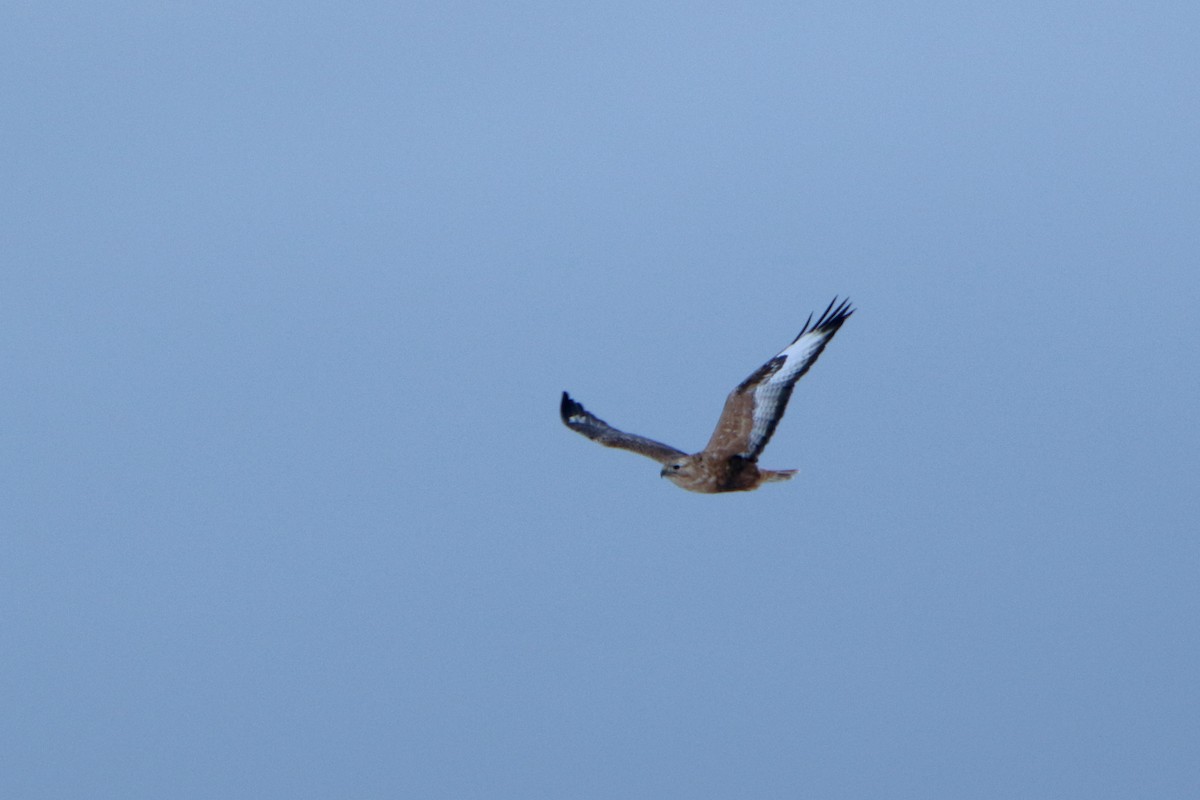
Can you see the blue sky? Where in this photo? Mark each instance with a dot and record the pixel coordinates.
(292, 294)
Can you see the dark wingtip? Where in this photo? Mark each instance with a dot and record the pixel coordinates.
(567, 407)
(831, 318)
(835, 314)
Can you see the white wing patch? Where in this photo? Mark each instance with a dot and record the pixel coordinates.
(774, 381)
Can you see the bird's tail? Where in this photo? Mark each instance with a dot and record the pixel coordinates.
(778, 474)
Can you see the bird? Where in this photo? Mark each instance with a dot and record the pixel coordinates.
(729, 462)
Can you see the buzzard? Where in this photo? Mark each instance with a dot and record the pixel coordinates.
(729, 462)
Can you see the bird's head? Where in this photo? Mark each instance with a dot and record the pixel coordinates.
(680, 471)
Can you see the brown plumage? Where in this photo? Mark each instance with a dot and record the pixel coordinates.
(729, 462)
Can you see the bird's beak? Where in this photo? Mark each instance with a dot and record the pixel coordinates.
(662, 473)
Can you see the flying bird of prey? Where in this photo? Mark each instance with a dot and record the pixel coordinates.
(729, 462)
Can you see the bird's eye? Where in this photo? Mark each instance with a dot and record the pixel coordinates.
(675, 467)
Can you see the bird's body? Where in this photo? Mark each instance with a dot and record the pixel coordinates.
(698, 473)
(729, 462)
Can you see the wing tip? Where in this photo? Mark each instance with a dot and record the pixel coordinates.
(832, 318)
(567, 408)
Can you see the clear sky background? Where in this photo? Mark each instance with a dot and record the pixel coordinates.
(290, 294)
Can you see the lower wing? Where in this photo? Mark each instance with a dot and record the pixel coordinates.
(580, 420)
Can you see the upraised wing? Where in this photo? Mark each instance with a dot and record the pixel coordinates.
(754, 408)
(580, 420)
